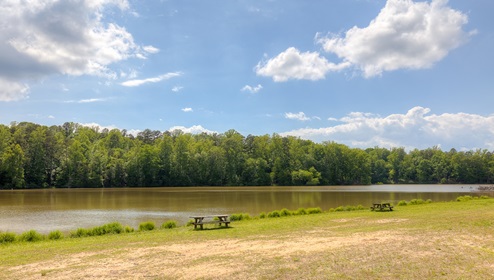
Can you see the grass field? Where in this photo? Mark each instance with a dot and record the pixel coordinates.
(453, 240)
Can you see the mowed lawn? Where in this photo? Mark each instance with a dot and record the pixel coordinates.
(452, 240)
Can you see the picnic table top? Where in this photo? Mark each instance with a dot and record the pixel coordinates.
(208, 216)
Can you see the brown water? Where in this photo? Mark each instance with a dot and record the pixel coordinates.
(69, 209)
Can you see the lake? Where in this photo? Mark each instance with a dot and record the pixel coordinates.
(68, 209)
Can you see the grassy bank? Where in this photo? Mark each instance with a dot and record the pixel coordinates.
(417, 241)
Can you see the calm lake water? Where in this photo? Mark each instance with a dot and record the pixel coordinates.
(69, 209)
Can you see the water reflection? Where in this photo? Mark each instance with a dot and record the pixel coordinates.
(68, 209)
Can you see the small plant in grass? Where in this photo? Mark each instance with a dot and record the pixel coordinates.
(128, 229)
(428, 201)
(190, 222)
(360, 207)
(111, 228)
(484, 197)
(31, 236)
(339, 209)
(262, 215)
(315, 210)
(416, 201)
(350, 208)
(7, 237)
(145, 226)
(80, 232)
(239, 217)
(464, 198)
(301, 211)
(55, 235)
(169, 225)
(402, 203)
(274, 214)
(285, 212)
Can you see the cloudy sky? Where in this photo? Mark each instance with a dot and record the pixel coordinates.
(389, 73)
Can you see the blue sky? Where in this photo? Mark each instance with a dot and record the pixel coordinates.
(395, 73)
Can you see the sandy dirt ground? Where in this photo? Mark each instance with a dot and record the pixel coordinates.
(318, 254)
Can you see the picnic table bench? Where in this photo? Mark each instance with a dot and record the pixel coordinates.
(210, 219)
(381, 207)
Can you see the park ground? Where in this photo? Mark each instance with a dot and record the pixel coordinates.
(447, 240)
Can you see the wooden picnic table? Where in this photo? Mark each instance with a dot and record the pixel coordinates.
(210, 219)
(381, 207)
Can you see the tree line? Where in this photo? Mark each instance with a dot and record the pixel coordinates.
(72, 155)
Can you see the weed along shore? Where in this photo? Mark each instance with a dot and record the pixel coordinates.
(417, 240)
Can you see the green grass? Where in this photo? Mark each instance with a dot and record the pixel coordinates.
(450, 240)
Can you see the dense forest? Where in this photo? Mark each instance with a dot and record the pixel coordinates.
(72, 155)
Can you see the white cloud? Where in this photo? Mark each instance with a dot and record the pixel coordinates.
(12, 91)
(177, 88)
(137, 82)
(405, 35)
(91, 100)
(297, 116)
(187, 110)
(415, 129)
(252, 89)
(195, 129)
(51, 117)
(43, 38)
(292, 64)
(151, 49)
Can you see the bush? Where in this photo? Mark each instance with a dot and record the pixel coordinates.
(239, 217)
(316, 210)
(301, 211)
(285, 212)
(428, 201)
(7, 237)
(128, 229)
(339, 209)
(464, 198)
(111, 228)
(80, 232)
(145, 226)
(416, 201)
(360, 207)
(169, 225)
(31, 236)
(402, 203)
(350, 208)
(274, 214)
(262, 215)
(55, 235)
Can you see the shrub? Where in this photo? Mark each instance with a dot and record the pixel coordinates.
(350, 208)
(80, 232)
(239, 217)
(190, 222)
(416, 201)
(169, 225)
(360, 207)
(339, 209)
(31, 236)
(262, 215)
(145, 226)
(464, 198)
(55, 235)
(484, 197)
(111, 228)
(316, 210)
(301, 211)
(402, 203)
(274, 214)
(7, 237)
(128, 229)
(285, 212)
(428, 201)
